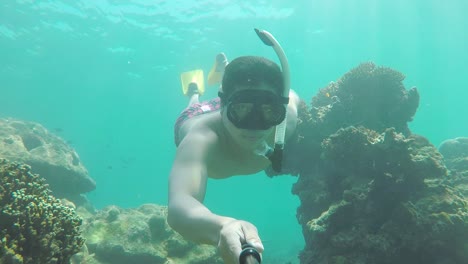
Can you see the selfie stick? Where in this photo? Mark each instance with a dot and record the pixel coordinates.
(249, 255)
(276, 156)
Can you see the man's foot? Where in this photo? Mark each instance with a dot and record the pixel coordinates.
(192, 89)
(217, 71)
(221, 62)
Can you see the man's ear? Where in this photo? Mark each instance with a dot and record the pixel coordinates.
(222, 109)
(222, 97)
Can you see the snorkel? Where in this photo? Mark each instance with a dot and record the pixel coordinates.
(249, 254)
(276, 155)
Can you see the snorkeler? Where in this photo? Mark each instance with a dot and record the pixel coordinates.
(233, 134)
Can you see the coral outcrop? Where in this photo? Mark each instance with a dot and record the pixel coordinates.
(370, 190)
(120, 236)
(455, 153)
(48, 155)
(34, 226)
(367, 95)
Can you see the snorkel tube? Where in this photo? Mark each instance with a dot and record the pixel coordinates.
(276, 155)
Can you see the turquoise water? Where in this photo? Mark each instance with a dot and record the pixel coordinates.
(104, 75)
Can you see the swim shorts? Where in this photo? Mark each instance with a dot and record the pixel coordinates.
(195, 110)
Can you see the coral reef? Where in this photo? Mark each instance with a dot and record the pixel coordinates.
(367, 95)
(381, 198)
(48, 155)
(34, 226)
(455, 153)
(120, 236)
(370, 190)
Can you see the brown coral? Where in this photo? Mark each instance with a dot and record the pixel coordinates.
(381, 198)
(367, 95)
(370, 190)
(35, 227)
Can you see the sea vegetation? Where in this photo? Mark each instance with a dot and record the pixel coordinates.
(35, 227)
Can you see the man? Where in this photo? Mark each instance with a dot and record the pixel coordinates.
(223, 138)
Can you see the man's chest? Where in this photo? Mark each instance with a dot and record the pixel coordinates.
(223, 166)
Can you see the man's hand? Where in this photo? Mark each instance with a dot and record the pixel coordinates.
(233, 235)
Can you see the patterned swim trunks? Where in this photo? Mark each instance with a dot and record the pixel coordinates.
(195, 110)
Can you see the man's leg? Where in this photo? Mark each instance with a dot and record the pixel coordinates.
(214, 77)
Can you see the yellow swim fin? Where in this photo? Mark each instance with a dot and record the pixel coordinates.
(195, 76)
(215, 76)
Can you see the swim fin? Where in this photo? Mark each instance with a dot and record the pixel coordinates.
(195, 76)
(215, 76)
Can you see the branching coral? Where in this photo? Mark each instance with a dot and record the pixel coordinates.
(34, 226)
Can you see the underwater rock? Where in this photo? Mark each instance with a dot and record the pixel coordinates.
(120, 236)
(35, 227)
(370, 190)
(455, 152)
(48, 155)
(381, 198)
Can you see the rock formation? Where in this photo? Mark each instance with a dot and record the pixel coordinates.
(48, 155)
(370, 190)
(120, 236)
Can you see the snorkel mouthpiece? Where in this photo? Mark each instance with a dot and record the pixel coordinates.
(274, 155)
(277, 156)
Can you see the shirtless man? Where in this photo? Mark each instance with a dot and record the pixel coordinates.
(222, 138)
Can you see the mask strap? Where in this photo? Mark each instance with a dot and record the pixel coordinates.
(223, 98)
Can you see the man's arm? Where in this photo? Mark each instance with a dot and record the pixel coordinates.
(187, 187)
(188, 215)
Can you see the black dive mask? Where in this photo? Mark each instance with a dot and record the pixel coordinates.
(255, 109)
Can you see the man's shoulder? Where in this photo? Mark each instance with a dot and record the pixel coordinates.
(200, 127)
(203, 138)
(203, 135)
(202, 146)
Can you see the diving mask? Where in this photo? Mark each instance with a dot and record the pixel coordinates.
(255, 109)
